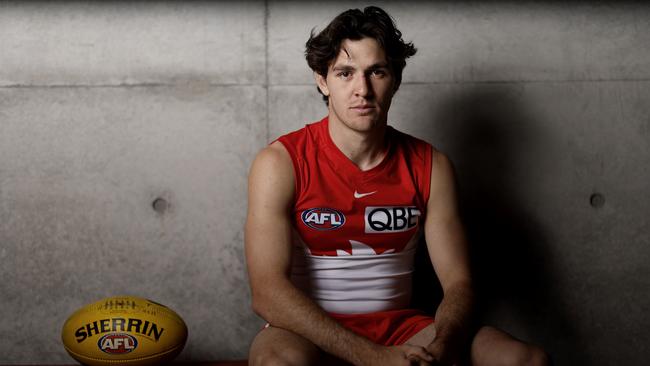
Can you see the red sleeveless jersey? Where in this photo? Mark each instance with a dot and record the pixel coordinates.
(356, 231)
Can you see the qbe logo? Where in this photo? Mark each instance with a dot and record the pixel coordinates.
(391, 219)
(117, 343)
(323, 218)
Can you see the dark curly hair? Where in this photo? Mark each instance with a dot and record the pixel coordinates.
(354, 24)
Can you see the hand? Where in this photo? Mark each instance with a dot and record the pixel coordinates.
(405, 355)
(444, 351)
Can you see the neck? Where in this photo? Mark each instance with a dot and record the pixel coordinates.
(366, 149)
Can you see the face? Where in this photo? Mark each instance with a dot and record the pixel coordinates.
(359, 84)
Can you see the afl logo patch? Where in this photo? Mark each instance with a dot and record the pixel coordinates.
(117, 343)
(323, 218)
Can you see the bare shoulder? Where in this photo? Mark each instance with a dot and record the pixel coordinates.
(271, 175)
(442, 169)
(272, 160)
(442, 202)
(274, 155)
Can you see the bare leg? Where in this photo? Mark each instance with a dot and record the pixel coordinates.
(492, 347)
(278, 347)
(424, 337)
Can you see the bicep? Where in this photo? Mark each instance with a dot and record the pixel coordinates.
(268, 227)
(444, 233)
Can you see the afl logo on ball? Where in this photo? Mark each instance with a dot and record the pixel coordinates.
(322, 218)
(117, 343)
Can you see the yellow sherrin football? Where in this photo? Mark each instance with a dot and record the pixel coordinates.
(124, 330)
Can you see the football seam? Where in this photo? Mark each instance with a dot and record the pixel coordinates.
(122, 361)
(162, 311)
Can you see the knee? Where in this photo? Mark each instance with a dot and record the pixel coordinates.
(528, 355)
(538, 357)
(495, 347)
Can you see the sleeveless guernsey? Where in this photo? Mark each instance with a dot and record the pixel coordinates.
(355, 232)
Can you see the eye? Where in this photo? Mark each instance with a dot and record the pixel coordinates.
(344, 74)
(378, 73)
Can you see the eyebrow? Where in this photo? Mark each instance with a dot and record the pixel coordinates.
(379, 65)
(343, 68)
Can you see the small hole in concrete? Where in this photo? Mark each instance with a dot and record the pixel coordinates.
(160, 205)
(597, 200)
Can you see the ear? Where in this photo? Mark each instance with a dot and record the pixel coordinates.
(321, 82)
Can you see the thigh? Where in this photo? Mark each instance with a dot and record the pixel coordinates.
(424, 337)
(276, 346)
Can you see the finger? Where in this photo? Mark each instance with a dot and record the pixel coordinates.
(415, 360)
(433, 349)
(420, 352)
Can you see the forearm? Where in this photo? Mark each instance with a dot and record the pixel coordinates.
(287, 307)
(455, 312)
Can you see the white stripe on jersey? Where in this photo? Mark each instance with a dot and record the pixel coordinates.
(363, 282)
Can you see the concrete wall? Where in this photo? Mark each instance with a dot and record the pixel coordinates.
(106, 107)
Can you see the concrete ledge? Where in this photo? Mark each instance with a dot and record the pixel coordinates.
(207, 363)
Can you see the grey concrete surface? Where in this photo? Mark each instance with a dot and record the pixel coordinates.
(106, 107)
(527, 166)
(490, 41)
(108, 43)
(76, 216)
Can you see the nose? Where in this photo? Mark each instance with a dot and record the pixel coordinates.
(362, 88)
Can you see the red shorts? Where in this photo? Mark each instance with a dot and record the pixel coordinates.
(388, 328)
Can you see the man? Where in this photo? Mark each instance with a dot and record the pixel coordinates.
(334, 213)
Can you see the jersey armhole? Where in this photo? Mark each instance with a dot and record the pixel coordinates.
(428, 168)
(295, 160)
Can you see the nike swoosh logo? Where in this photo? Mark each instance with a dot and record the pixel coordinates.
(361, 195)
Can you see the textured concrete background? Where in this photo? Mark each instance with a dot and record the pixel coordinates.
(106, 107)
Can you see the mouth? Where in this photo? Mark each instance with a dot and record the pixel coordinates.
(363, 108)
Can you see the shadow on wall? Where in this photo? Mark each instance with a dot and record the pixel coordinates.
(488, 135)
